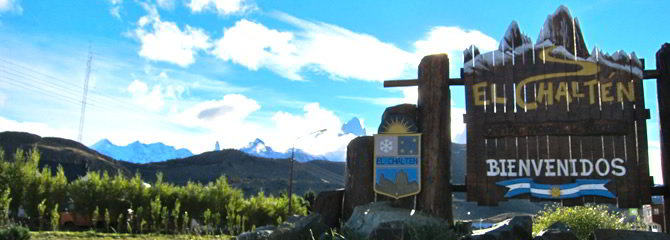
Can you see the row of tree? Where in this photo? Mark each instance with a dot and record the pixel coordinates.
(130, 204)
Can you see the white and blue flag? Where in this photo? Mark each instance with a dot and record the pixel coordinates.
(581, 187)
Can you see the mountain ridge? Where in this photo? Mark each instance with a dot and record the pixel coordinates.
(138, 152)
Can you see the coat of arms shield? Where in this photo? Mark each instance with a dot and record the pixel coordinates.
(397, 164)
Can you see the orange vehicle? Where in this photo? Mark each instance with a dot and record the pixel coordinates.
(73, 220)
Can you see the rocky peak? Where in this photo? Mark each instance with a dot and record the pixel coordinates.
(513, 38)
(563, 30)
(353, 126)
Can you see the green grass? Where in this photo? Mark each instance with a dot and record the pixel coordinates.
(97, 236)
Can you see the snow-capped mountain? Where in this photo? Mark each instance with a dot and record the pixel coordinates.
(139, 152)
(260, 149)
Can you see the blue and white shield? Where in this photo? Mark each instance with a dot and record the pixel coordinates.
(397, 163)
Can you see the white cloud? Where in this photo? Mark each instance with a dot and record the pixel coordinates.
(317, 46)
(254, 45)
(288, 127)
(453, 40)
(231, 111)
(153, 98)
(228, 120)
(655, 169)
(10, 6)
(458, 133)
(165, 41)
(41, 129)
(339, 52)
(166, 4)
(222, 7)
(115, 10)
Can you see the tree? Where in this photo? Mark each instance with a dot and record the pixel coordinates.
(41, 208)
(94, 217)
(55, 218)
(156, 213)
(175, 215)
(4, 206)
(107, 220)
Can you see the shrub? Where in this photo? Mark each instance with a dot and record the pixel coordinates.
(581, 219)
(14, 232)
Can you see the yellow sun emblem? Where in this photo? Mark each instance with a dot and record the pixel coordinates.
(555, 192)
(397, 126)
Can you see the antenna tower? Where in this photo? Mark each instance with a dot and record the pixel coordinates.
(83, 100)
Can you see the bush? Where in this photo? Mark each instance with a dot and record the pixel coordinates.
(581, 219)
(14, 232)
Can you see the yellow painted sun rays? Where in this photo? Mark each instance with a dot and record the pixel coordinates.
(397, 126)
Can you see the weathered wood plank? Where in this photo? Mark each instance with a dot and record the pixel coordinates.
(578, 128)
(663, 92)
(434, 107)
(642, 143)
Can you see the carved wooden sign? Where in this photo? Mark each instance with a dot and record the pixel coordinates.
(551, 121)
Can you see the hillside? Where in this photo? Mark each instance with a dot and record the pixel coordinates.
(75, 158)
(249, 173)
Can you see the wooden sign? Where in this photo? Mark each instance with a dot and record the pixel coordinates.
(550, 121)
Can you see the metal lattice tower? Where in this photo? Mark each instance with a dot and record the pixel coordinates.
(83, 100)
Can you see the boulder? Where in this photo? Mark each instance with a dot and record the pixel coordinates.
(306, 228)
(382, 221)
(358, 188)
(463, 227)
(406, 113)
(261, 233)
(329, 205)
(611, 234)
(519, 227)
(557, 231)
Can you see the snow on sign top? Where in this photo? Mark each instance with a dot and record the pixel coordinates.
(560, 30)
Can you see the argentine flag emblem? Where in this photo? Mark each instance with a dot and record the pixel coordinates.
(581, 187)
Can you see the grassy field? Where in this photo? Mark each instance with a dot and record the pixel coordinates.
(96, 235)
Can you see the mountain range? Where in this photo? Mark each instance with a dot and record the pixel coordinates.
(249, 173)
(138, 152)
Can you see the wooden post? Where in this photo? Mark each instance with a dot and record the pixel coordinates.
(434, 105)
(663, 91)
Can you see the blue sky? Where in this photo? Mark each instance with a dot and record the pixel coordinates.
(192, 72)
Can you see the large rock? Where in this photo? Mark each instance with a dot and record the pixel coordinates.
(381, 221)
(403, 112)
(358, 188)
(329, 205)
(519, 227)
(610, 234)
(261, 233)
(557, 231)
(306, 228)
